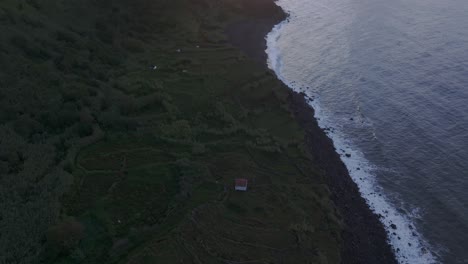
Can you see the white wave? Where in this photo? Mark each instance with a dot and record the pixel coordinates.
(407, 243)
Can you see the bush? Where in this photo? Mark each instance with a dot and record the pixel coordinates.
(29, 49)
(26, 127)
(32, 22)
(179, 129)
(64, 237)
(235, 208)
(65, 37)
(34, 3)
(84, 129)
(133, 45)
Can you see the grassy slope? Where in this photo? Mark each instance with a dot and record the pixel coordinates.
(106, 160)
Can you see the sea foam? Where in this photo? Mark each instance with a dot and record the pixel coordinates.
(405, 240)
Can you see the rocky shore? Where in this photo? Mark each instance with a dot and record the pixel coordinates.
(126, 132)
(365, 239)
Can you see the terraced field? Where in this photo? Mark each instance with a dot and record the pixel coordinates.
(164, 121)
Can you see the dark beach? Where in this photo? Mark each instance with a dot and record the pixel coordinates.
(125, 133)
(365, 239)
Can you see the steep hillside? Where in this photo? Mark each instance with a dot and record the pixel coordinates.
(123, 125)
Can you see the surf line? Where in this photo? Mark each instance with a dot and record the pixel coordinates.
(406, 242)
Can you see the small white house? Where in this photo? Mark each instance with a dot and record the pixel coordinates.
(241, 184)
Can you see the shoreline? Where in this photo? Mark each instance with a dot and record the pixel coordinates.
(365, 239)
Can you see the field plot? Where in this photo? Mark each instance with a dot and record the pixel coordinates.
(131, 120)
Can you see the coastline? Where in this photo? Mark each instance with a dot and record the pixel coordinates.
(181, 114)
(365, 239)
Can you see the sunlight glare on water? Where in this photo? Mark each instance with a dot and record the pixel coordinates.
(391, 80)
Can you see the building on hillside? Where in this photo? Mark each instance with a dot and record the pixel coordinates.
(241, 184)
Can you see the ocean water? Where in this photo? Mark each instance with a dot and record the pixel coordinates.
(389, 78)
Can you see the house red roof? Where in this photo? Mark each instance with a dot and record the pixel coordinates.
(241, 182)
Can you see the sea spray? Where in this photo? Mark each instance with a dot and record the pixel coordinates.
(407, 243)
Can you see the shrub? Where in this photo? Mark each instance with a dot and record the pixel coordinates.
(84, 129)
(235, 208)
(64, 237)
(179, 129)
(29, 49)
(133, 45)
(34, 3)
(34, 23)
(65, 37)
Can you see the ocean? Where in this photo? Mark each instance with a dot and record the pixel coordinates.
(389, 83)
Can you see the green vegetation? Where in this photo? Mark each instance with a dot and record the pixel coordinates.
(105, 158)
